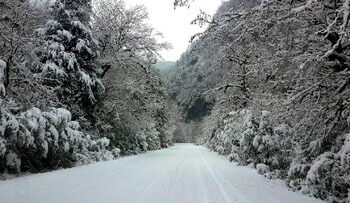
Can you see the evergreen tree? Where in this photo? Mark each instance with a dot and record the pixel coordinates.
(80, 8)
(69, 57)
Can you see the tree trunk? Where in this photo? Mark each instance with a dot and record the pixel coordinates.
(9, 63)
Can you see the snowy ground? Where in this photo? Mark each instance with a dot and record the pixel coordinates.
(183, 173)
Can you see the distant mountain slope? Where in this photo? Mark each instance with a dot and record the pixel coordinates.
(164, 64)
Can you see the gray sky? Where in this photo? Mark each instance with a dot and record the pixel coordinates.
(175, 24)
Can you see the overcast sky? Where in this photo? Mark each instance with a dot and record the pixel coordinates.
(175, 24)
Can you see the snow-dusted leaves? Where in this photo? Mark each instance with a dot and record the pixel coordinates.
(47, 134)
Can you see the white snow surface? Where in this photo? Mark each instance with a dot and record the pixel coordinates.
(182, 173)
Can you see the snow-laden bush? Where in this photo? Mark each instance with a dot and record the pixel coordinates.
(275, 174)
(148, 139)
(153, 139)
(262, 168)
(166, 136)
(247, 151)
(271, 149)
(38, 141)
(228, 135)
(266, 143)
(144, 140)
(224, 142)
(283, 133)
(320, 177)
(328, 177)
(13, 163)
(234, 137)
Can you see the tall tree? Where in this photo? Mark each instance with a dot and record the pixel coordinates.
(70, 55)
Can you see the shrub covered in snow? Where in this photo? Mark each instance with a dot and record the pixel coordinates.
(262, 168)
(266, 143)
(12, 162)
(148, 139)
(328, 176)
(234, 137)
(227, 135)
(239, 138)
(133, 143)
(36, 141)
(247, 151)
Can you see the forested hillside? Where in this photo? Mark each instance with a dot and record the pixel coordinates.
(164, 64)
(77, 84)
(267, 84)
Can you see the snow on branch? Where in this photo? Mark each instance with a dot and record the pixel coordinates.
(2, 78)
(304, 7)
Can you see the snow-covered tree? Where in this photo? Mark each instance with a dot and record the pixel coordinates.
(69, 58)
(134, 102)
(18, 20)
(134, 106)
(124, 34)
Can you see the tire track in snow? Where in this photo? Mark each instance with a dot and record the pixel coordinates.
(173, 177)
(224, 194)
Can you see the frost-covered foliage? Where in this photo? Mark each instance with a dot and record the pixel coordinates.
(35, 133)
(37, 141)
(18, 21)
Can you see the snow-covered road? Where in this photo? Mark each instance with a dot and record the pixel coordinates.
(183, 173)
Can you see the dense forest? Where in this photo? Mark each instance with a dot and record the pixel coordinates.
(77, 84)
(267, 85)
